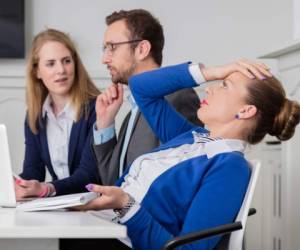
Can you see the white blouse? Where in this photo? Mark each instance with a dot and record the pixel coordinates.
(58, 135)
(146, 168)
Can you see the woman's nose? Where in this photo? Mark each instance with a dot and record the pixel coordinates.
(211, 89)
(208, 90)
(61, 68)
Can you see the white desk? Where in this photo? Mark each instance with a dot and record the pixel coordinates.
(41, 230)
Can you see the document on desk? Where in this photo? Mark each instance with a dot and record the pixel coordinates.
(63, 201)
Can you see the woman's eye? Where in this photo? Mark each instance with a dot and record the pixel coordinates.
(49, 64)
(224, 85)
(68, 60)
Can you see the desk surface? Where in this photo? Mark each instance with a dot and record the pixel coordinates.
(56, 224)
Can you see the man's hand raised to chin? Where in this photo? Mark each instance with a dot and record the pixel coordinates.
(108, 104)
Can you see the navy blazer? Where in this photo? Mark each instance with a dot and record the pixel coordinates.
(82, 163)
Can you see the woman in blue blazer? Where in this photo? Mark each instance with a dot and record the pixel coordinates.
(60, 116)
(198, 178)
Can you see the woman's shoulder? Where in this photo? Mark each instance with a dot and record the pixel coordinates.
(233, 162)
(89, 112)
(90, 106)
(92, 102)
(235, 156)
(40, 125)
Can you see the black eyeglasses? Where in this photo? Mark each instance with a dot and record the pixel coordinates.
(110, 48)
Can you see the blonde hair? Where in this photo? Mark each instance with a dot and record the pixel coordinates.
(81, 92)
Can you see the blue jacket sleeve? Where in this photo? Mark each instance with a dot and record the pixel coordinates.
(149, 89)
(33, 165)
(217, 202)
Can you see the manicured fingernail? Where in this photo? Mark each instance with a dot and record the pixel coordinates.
(18, 181)
(89, 187)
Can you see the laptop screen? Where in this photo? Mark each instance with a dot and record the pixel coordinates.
(7, 191)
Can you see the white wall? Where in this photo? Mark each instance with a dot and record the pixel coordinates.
(210, 31)
(296, 8)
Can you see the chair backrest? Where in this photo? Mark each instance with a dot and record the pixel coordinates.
(236, 238)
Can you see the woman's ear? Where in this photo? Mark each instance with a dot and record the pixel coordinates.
(143, 49)
(248, 111)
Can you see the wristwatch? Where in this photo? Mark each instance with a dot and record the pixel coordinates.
(120, 212)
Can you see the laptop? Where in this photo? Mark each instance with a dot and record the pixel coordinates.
(7, 190)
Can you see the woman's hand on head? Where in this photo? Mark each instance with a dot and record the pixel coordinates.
(111, 197)
(251, 69)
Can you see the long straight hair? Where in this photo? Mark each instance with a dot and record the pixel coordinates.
(81, 92)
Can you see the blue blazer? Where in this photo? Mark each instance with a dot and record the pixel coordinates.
(82, 163)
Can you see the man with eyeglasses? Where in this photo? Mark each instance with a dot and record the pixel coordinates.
(133, 43)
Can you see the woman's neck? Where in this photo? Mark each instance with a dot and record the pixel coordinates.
(58, 103)
(227, 132)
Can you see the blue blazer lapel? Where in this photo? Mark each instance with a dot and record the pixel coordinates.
(74, 137)
(44, 145)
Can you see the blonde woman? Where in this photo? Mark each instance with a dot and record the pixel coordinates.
(60, 102)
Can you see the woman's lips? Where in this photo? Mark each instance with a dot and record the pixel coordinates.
(203, 102)
(62, 79)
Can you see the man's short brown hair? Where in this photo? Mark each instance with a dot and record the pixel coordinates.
(142, 25)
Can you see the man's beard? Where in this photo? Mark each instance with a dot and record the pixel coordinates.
(122, 77)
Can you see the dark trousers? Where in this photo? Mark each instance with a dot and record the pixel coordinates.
(91, 244)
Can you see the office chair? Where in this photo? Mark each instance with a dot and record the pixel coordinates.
(235, 230)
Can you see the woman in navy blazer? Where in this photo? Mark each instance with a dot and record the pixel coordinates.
(60, 116)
